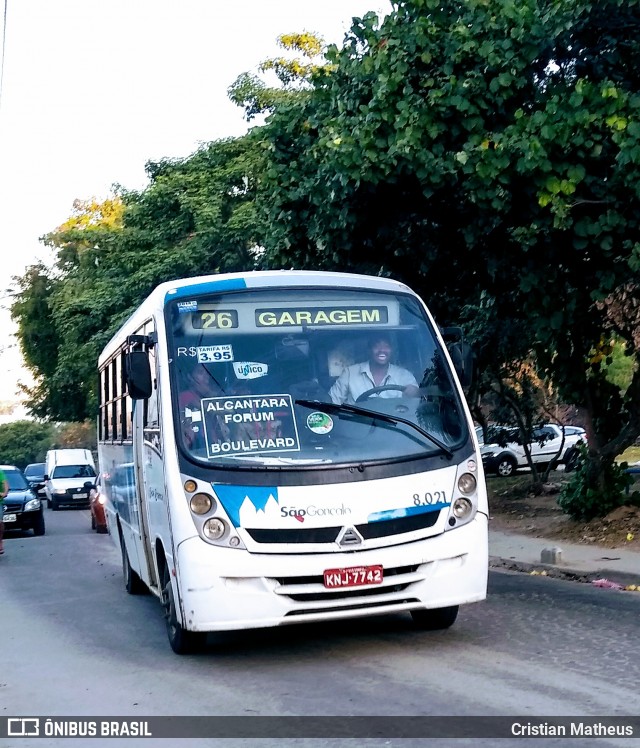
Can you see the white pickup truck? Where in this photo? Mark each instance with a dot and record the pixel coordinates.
(503, 455)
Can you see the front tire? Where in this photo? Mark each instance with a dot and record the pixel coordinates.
(435, 619)
(181, 640)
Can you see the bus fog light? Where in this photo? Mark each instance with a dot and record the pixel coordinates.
(200, 503)
(462, 508)
(467, 483)
(234, 541)
(214, 528)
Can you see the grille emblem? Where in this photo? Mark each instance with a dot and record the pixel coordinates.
(349, 536)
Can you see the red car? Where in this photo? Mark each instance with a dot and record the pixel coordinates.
(96, 506)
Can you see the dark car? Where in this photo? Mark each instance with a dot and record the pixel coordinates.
(96, 505)
(34, 474)
(23, 510)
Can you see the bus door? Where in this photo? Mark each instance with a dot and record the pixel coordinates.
(148, 475)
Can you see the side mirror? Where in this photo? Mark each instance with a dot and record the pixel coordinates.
(461, 354)
(138, 375)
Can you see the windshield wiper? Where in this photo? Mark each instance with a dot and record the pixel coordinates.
(356, 410)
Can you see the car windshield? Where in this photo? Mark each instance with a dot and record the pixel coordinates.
(73, 471)
(34, 472)
(261, 378)
(16, 480)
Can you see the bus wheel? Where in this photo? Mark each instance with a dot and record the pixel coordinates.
(435, 618)
(132, 582)
(181, 640)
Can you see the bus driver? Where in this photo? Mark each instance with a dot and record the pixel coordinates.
(378, 371)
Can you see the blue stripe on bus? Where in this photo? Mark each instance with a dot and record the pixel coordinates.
(408, 511)
(230, 284)
(233, 497)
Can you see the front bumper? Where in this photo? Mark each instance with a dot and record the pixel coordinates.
(224, 589)
(71, 497)
(23, 520)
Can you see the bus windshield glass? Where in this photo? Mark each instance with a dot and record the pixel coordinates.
(287, 377)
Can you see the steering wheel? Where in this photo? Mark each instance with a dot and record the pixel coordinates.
(374, 391)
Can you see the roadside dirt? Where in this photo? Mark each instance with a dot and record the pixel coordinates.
(513, 507)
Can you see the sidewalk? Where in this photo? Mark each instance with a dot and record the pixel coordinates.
(585, 563)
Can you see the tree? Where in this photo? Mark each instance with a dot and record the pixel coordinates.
(24, 442)
(294, 75)
(195, 217)
(492, 145)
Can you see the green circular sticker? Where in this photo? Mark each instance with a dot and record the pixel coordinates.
(319, 423)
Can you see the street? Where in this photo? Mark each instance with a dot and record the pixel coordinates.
(74, 643)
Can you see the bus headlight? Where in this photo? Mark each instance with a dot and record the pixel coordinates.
(461, 508)
(214, 528)
(201, 503)
(467, 483)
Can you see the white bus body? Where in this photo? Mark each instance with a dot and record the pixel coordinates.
(264, 502)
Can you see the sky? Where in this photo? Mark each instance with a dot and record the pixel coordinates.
(92, 90)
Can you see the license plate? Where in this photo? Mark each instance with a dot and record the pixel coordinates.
(80, 496)
(9, 518)
(353, 576)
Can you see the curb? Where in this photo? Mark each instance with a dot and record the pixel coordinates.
(572, 575)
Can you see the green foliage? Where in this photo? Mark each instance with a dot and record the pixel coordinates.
(594, 493)
(196, 217)
(24, 442)
(485, 152)
(294, 75)
(481, 150)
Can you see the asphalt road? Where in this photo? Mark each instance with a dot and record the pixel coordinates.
(74, 643)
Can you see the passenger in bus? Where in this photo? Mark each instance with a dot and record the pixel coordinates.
(377, 371)
(201, 385)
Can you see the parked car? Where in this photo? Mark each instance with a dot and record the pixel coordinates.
(34, 473)
(23, 510)
(502, 453)
(96, 506)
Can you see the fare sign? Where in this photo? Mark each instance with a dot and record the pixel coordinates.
(353, 576)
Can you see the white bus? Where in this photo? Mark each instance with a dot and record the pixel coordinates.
(269, 495)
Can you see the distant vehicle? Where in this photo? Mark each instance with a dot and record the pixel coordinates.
(70, 475)
(502, 453)
(23, 510)
(96, 506)
(34, 473)
(573, 430)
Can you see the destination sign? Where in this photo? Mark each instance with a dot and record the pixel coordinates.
(322, 316)
(251, 424)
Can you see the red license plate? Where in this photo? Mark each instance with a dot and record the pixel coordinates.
(353, 576)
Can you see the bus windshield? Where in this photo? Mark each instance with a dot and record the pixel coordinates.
(287, 377)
